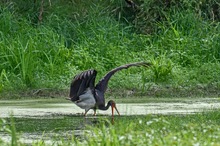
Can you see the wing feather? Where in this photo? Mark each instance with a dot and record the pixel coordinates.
(81, 83)
(103, 83)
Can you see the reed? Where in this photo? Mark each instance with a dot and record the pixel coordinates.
(76, 36)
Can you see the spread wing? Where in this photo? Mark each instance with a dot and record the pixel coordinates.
(81, 83)
(103, 83)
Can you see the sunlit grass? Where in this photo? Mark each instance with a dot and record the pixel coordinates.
(180, 39)
(70, 39)
(196, 129)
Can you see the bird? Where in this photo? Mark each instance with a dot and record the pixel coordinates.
(85, 94)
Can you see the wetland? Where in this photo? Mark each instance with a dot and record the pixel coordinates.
(59, 121)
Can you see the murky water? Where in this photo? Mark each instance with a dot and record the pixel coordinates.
(44, 109)
(30, 108)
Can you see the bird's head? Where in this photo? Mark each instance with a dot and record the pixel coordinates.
(113, 105)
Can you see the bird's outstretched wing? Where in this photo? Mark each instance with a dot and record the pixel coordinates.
(103, 83)
(81, 83)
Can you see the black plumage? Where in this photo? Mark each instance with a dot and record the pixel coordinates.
(87, 95)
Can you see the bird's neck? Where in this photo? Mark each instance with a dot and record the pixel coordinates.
(104, 107)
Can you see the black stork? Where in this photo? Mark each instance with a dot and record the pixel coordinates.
(85, 94)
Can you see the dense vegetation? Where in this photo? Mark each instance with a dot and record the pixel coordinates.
(45, 43)
(162, 130)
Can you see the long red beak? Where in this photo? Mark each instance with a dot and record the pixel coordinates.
(114, 107)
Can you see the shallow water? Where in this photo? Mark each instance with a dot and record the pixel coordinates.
(45, 109)
(31, 108)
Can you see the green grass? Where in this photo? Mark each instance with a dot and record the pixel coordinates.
(196, 129)
(174, 129)
(200, 129)
(76, 36)
(181, 39)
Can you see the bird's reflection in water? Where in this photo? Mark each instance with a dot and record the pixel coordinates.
(93, 121)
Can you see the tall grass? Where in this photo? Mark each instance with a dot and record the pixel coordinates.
(156, 131)
(76, 36)
(9, 129)
(196, 129)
